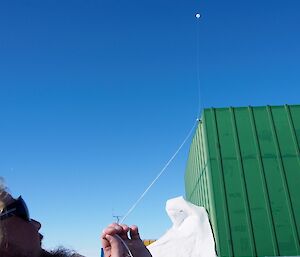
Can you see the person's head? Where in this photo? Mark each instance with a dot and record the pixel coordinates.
(19, 235)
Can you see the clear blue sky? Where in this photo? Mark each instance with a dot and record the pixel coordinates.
(95, 97)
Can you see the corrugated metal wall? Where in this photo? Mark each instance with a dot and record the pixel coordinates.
(244, 167)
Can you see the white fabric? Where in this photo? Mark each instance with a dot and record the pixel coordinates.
(190, 235)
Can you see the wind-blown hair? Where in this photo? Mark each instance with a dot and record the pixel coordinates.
(2, 196)
(60, 252)
(1, 184)
(3, 193)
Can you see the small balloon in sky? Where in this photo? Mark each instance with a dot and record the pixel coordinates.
(198, 15)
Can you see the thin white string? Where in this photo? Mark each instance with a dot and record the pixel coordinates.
(159, 174)
(175, 154)
(198, 65)
(187, 137)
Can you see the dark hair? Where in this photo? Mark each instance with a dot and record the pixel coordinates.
(2, 185)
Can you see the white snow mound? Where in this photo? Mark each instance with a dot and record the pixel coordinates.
(190, 235)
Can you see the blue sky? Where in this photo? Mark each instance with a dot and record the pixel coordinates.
(96, 96)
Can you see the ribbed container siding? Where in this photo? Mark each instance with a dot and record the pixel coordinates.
(244, 168)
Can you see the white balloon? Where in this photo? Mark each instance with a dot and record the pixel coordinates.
(198, 15)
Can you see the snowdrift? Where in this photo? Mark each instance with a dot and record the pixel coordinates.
(190, 235)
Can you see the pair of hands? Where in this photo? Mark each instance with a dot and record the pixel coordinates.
(113, 246)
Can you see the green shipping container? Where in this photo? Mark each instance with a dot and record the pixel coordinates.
(244, 168)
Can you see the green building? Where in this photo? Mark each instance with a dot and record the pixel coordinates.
(244, 168)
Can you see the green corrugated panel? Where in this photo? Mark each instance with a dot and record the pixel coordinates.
(244, 168)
